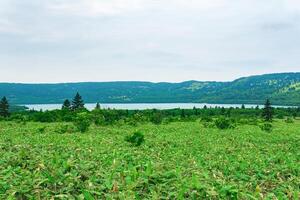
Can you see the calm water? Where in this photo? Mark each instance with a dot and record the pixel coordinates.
(141, 106)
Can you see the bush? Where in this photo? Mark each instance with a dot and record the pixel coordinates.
(208, 125)
(65, 129)
(120, 122)
(135, 139)
(289, 120)
(131, 122)
(266, 127)
(223, 123)
(280, 116)
(206, 119)
(253, 121)
(156, 118)
(189, 119)
(99, 120)
(249, 121)
(82, 122)
(42, 129)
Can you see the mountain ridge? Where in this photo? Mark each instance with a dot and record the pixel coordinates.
(281, 88)
(72, 82)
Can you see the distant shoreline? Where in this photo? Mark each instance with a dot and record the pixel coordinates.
(145, 106)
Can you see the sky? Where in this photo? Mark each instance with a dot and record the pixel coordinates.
(53, 41)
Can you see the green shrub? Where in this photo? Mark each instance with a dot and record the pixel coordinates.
(208, 125)
(139, 117)
(99, 120)
(223, 123)
(131, 122)
(42, 129)
(247, 121)
(135, 139)
(65, 128)
(253, 121)
(280, 116)
(156, 118)
(206, 119)
(189, 119)
(289, 120)
(171, 119)
(266, 127)
(82, 122)
(120, 122)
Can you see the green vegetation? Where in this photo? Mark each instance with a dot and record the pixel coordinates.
(268, 111)
(289, 120)
(77, 102)
(98, 107)
(281, 89)
(268, 127)
(82, 122)
(136, 139)
(4, 107)
(209, 153)
(179, 160)
(223, 123)
(66, 105)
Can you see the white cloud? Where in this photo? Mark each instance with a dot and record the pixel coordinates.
(6, 26)
(94, 7)
(199, 37)
(292, 5)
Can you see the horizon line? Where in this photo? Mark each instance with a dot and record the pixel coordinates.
(141, 81)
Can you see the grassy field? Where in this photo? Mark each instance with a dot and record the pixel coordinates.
(180, 160)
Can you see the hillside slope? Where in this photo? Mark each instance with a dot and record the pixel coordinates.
(283, 89)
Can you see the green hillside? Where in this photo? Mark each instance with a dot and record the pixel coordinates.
(283, 89)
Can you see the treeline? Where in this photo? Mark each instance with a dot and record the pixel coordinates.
(74, 109)
(282, 89)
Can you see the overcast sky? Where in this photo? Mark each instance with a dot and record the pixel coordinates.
(149, 40)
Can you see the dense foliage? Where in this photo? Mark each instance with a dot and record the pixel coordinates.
(77, 102)
(281, 89)
(136, 139)
(103, 117)
(268, 111)
(209, 153)
(4, 107)
(66, 105)
(180, 160)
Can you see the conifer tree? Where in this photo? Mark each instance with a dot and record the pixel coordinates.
(4, 107)
(98, 107)
(243, 106)
(182, 113)
(268, 111)
(223, 111)
(77, 102)
(66, 105)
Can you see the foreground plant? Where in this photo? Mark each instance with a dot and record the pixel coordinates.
(268, 127)
(82, 122)
(135, 139)
(223, 123)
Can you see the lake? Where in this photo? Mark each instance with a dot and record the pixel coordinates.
(142, 106)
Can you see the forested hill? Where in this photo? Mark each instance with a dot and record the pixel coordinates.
(282, 89)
